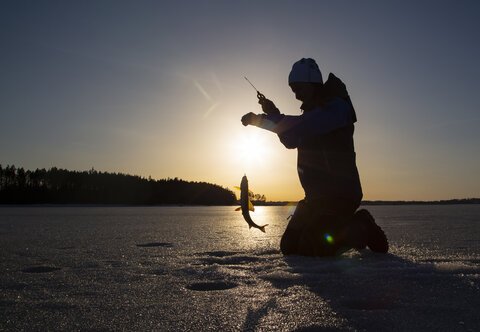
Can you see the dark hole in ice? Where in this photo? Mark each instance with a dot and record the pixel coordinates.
(155, 244)
(13, 286)
(211, 286)
(7, 303)
(56, 306)
(220, 253)
(313, 328)
(40, 269)
(66, 248)
(158, 272)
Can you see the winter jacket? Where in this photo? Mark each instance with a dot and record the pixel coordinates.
(323, 137)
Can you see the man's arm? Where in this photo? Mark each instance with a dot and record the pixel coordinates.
(292, 129)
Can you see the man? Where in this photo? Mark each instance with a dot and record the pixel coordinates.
(325, 222)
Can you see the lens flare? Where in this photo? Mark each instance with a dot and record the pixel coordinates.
(329, 238)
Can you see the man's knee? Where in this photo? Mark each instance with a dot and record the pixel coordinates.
(290, 239)
(317, 240)
(312, 234)
(289, 242)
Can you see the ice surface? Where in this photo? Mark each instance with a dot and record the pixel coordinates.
(188, 268)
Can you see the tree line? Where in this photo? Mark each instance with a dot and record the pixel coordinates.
(61, 186)
(439, 202)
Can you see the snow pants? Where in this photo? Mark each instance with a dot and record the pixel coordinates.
(323, 228)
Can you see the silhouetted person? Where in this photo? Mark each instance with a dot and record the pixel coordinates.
(325, 222)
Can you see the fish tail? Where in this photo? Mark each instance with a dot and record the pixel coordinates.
(262, 228)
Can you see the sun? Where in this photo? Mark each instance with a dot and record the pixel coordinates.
(251, 150)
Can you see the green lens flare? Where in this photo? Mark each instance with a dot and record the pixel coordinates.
(329, 238)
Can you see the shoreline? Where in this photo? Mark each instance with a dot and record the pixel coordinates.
(471, 201)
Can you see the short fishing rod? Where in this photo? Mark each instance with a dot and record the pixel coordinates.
(260, 95)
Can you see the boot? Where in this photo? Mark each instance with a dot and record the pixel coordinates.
(376, 239)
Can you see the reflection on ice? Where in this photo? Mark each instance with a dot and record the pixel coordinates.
(196, 268)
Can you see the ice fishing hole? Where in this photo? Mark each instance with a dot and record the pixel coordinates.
(211, 286)
(155, 244)
(40, 269)
(220, 253)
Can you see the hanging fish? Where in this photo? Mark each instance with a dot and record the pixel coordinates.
(246, 205)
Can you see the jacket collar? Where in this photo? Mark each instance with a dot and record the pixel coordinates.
(318, 101)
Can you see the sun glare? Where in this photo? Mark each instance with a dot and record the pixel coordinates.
(251, 150)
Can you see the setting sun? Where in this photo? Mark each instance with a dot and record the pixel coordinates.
(251, 150)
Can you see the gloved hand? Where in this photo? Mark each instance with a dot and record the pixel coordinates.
(251, 119)
(268, 106)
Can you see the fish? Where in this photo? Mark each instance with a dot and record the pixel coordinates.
(246, 205)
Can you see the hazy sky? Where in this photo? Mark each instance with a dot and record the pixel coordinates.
(156, 88)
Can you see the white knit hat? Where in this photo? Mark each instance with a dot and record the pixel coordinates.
(305, 70)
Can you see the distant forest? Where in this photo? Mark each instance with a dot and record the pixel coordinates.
(60, 186)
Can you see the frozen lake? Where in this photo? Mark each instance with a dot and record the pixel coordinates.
(201, 268)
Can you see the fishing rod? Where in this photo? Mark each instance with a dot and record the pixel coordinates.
(260, 95)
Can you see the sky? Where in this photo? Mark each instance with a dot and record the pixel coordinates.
(157, 88)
